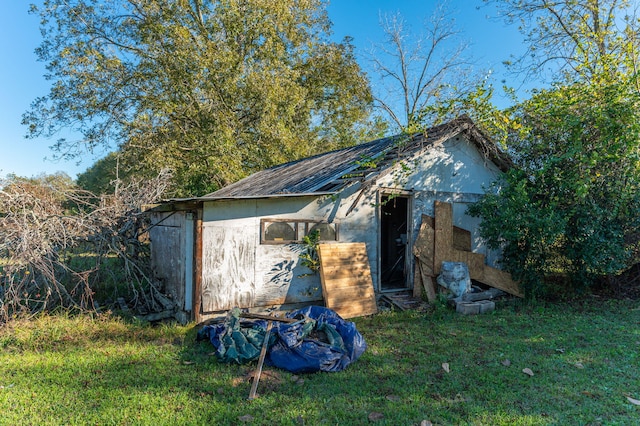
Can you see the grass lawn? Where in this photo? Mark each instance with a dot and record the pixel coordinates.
(585, 362)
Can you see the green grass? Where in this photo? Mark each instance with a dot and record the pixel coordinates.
(106, 371)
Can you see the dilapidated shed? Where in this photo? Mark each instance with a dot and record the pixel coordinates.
(241, 246)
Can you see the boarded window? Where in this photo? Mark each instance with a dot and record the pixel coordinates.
(327, 231)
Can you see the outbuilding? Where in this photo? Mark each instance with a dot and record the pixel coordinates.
(241, 246)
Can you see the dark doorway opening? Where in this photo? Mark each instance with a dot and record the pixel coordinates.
(393, 241)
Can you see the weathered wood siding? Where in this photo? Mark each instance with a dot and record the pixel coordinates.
(227, 267)
(168, 253)
(239, 271)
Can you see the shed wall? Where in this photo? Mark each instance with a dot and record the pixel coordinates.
(237, 270)
(169, 254)
(454, 172)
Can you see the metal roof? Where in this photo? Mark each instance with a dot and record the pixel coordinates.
(332, 171)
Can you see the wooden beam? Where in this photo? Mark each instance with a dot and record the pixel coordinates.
(427, 282)
(196, 310)
(263, 352)
(417, 279)
(251, 315)
(443, 238)
(423, 248)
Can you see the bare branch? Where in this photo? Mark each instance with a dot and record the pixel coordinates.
(418, 72)
(56, 240)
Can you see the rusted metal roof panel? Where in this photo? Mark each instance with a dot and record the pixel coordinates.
(304, 176)
(332, 171)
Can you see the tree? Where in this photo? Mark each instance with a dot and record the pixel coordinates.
(572, 203)
(213, 90)
(103, 175)
(576, 39)
(62, 246)
(420, 74)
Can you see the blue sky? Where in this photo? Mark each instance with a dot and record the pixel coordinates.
(22, 77)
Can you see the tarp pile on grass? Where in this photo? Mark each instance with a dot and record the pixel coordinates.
(319, 341)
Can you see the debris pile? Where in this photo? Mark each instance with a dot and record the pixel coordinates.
(307, 340)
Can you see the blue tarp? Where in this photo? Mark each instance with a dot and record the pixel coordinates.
(319, 341)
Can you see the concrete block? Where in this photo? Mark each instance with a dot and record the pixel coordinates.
(486, 306)
(474, 308)
(468, 308)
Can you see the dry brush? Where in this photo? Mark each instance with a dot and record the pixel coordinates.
(48, 224)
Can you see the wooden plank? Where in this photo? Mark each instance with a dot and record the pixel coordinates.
(347, 288)
(474, 261)
(251, 315)
(356, 274)
(196, 312)
(343, 283)
(339, 263)
(423, 248)
(417, 279)
(501, 280)
(427, 282)
(263, 352)
(340, 248)
(349, 294)
(443, 240)
(356, 308)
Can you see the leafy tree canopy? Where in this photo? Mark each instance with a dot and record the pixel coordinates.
(100, 178)
(213, 90)
(571, 205)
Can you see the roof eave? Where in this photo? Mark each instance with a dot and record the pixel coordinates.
(251, 197)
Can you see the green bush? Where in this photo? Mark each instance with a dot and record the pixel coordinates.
(570, 206)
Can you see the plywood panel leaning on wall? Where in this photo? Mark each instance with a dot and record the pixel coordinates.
(439, 241)
(345, 275)
(423, 250)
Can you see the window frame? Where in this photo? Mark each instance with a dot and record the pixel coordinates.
(301, 229)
